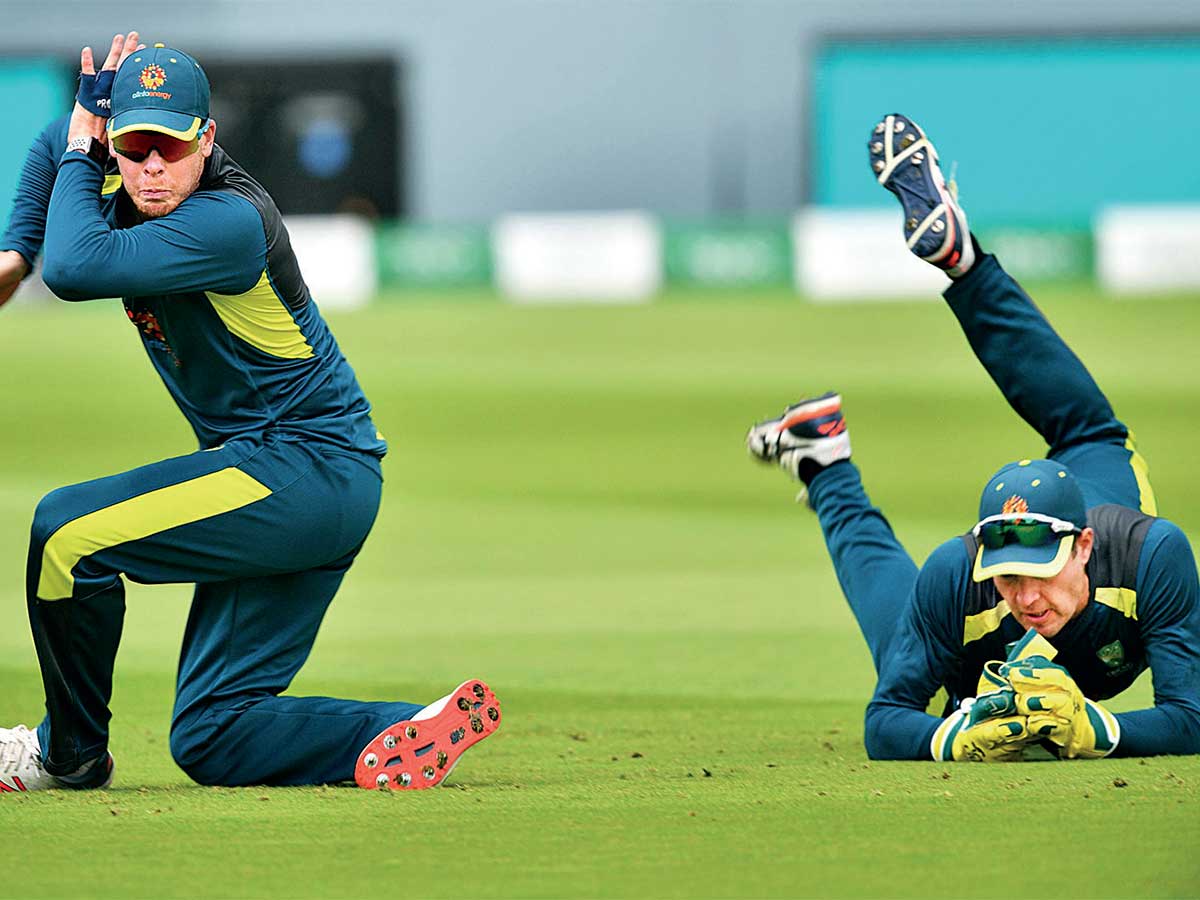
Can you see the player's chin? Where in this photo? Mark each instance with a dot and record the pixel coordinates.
(156, 208)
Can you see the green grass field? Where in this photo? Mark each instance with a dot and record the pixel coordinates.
(570, 514)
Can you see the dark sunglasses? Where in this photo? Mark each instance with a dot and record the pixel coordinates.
(1031, 530)
(135, 146)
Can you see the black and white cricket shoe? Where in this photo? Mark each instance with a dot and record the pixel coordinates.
(811, 429)
(905, 162)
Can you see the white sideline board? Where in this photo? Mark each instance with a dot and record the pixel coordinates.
(599, 257)
(858, 254)
(1148, 249)
(337, 258)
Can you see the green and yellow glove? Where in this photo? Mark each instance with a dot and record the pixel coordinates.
(985, 728)
(1025, 700)
(1057, 710)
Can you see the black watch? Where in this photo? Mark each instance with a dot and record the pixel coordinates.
(92, 147)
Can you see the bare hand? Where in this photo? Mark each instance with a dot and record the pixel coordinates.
(12, 270)
(123, 46)
(83, 121)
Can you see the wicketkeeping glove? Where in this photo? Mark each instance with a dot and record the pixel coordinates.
(985, 728)
(995, 726)
(1049, 696)
(968, 736)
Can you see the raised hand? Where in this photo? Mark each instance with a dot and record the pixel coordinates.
(93, 102)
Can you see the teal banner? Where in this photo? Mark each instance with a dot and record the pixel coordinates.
(1043, 131)
(33, 92)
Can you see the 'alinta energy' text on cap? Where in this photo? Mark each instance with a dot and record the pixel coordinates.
(159, 89)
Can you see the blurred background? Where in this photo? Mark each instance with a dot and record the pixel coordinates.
(580, 150)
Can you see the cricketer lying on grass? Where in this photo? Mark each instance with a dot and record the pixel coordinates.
(1066, 589)
(265, 518)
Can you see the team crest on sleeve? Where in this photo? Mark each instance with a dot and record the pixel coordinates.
(152, 77)
(1015, 504)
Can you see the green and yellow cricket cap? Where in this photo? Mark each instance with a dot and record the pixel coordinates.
(1029, 514)
(159, 89)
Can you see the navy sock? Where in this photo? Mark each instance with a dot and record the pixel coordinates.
(90, 775)
(810, 469)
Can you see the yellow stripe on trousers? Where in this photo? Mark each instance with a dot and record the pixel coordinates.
(139, 517)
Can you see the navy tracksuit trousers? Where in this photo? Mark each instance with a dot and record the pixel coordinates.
(266, 528)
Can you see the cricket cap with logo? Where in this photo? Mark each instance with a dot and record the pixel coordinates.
(159, 89)
(1029, 514)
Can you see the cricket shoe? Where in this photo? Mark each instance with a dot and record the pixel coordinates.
(420, 752)
(809, 430)
(21, 762)
(21, 766)
(905, 162)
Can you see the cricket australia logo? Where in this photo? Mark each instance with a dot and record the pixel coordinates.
(1015, 504)
(153, 77)
(1112, 655)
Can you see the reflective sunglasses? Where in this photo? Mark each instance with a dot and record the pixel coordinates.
(1028, 530)
(135, 146)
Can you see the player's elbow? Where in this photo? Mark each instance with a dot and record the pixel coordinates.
(67, 278)
(884, 735)
(1186, 719)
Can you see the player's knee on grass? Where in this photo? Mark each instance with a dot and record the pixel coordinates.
(194, 748)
